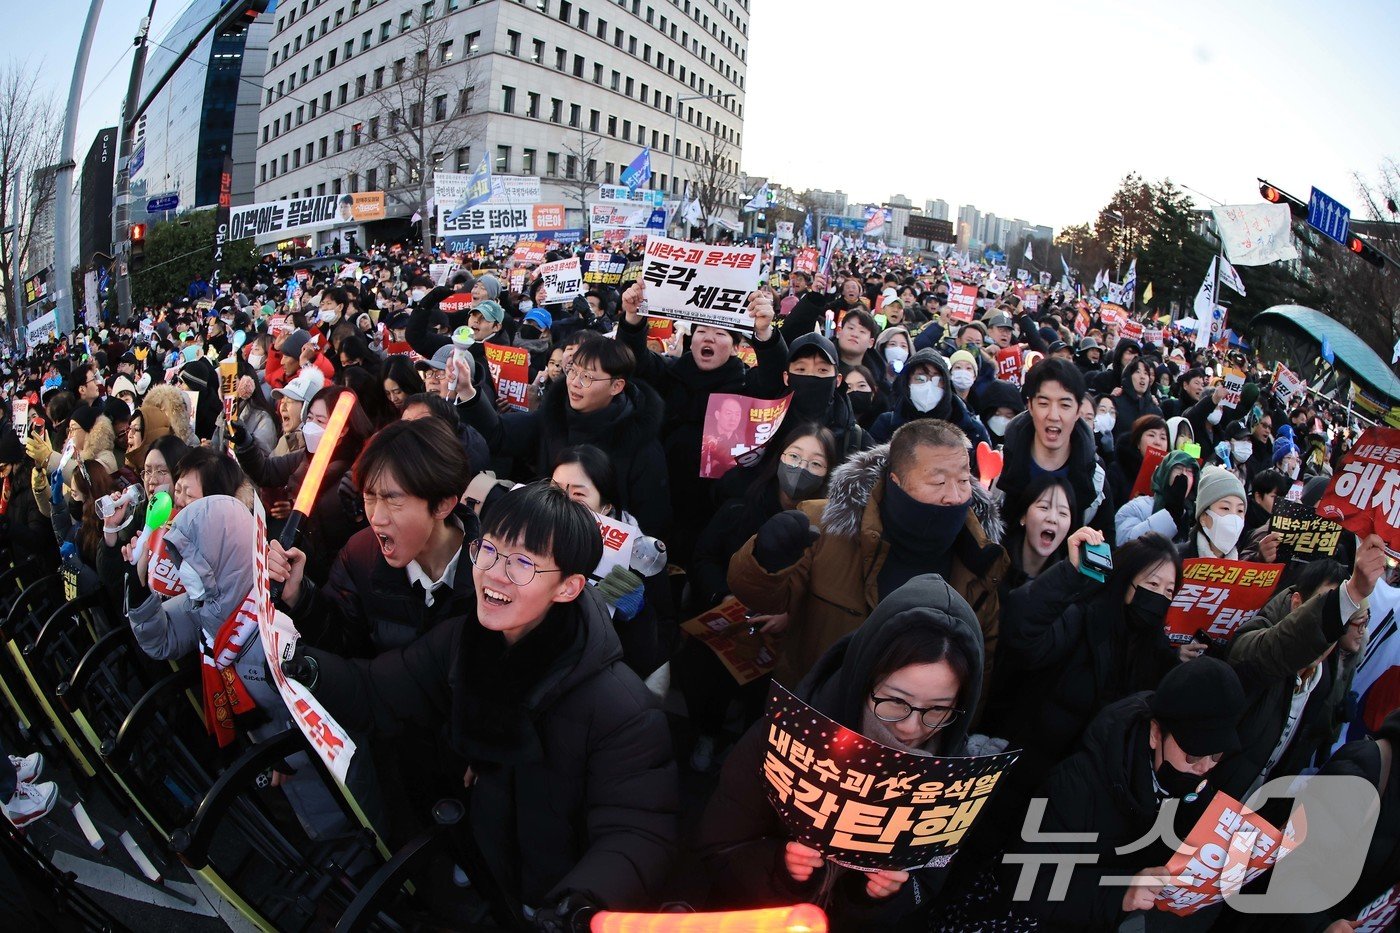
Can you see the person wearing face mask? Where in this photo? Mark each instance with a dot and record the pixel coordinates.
(1289, 660)
(1146, 751)
(813, 377)
(893, 347)
(998, 402)
(534, 336)
(921, 391)
(1219, 511)
(867, 403)
(892, 513)
(920, 647)
(1167, 506)
(962, 374)
(1287, 460)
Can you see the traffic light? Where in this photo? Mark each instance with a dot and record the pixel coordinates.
(1278, 196)
(1363, 249)
(137, 235)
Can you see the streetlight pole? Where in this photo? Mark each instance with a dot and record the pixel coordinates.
(676, 129)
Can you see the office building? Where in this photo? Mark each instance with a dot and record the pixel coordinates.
(95, 199)
(362, 95)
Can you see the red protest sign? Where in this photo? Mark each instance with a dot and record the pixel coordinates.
(1218, 596)
(1112, 314)
(1152, 335)
(865, 805)
(1142, 486)
(1364, 494)
(1132, 330)
(725, 631)
(460, 301)
(1377, 916)
(529, 251)
(805, 260)
(510, 372)
(660, 328)
(962, 302)
(736, 428)
(1009, 364)
(1081, 322)
(1228, 847)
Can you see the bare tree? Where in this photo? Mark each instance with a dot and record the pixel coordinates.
(420, 115)
(30, 131)
(581, 168)
(714, 178)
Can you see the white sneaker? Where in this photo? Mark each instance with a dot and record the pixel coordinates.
(702, 758)
(30, 802)
(28, 769)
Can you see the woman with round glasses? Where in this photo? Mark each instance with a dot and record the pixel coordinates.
(907, 679)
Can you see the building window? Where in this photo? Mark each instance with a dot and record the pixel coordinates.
(570, 166)
(612, 125)
(372, 180)
(365, 40)
(264, 139)
(538, 56)
(626, 129)
(616, 80)
(556, 106)
(284, 163)
(602, 31)
(374, 127)
(617, 38)
(342, 94)
(608, 173)
(583, 20)
(384, 28)
(464, 159)
(592, 169)
(440, 107)
(405, 24)
(464, 99)
(438, 158)
(354, 182)
(534, 111)
(513, 42)
(301, 115)
(445, 52)
(597, 72)
(502, 159)
(507, 99)
(565, 9)
(392, 175)
(552, 165)
(593, 117)
(359, 87)
(296, 158)
(575, 112)
(262, 173)
(627, 87)
(561, 59)
(528, 162)
(427, 11)
(378, 78)
(335, 186)
(339, 140)
(473, 42)
(322, 146)
(398, 70)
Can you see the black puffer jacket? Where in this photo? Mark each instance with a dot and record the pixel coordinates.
(28, 531)
(628, 431)
(576, 787)
(368, 607)
(1083, 470)
(741, 836)
(950, 408)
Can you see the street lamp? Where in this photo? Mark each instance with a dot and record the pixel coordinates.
(1123, 234)
(676, 125)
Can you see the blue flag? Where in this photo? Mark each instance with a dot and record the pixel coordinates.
(1327, 350)
(807, 228)
(478, 189)
(638, 172)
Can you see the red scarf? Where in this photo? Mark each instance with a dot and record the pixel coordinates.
(225, 696)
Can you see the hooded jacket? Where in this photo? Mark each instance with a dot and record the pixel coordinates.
(1142, 514)
(155, 424)
(100, 444)
(215, 536)
(1130, 406)
(628, 431)
(950, 408)
(741, 837)
(176, 409)
(1083, 470)
(576, 786)
(1111, 377)
(834, 586)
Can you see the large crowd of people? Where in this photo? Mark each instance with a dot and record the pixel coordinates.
(443, 579)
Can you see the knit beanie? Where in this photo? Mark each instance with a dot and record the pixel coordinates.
(962, 356)
(1217, 483)
(1282, 448)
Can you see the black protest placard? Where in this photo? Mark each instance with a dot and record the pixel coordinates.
(863, 804)
(1304, 535)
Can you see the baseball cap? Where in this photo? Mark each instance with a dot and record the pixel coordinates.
(306, 384)
(822, 346)
(293, 343)
(490, 310)
(1000, 319)
(540, 318)
(1199, 703)
(439, 361)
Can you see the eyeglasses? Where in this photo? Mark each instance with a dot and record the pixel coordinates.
(1197, 759)
(794, 459)
(155, 472)
(520, 570)
(919, 379)
(893, 709)
(582, 378)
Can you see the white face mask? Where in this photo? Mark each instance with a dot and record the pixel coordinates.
(326, 317)
(194, 586)
(255, 360)
(962, 379)
(926, 395)
(997, 424)
(1103, 423)
(896, 357)
(417, 294)
(1215, 416)
(312, 433)
(1292, 471)
(1225, 531)
(1241, 450)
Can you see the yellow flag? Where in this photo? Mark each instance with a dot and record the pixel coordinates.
(1147, 293)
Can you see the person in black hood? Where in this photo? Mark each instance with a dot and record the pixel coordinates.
(570, 772)
(922, 390)
(998, 402)
(597, 402)
(1111, 377)
(812, 376)
(921, 647)
(1136, 398)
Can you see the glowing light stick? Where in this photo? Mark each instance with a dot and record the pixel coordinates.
(315, 475)
(157, 514)
(800, 918)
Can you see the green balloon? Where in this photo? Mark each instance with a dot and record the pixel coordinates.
(158, 512)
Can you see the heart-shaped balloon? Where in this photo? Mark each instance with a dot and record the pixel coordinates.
(989, 463)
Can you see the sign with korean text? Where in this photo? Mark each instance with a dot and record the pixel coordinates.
(651, 197)
(451, 188)
(1304, 535)
(1132, 330)
(1377, 916)
(736, 428)
(1233, 380)
(619, 538)
(1217, 596)
(493, 218)
(1152, 459)
(280, 218)
(1229, 846)
(41, 330)
(805, 260)
(962, 302)
(1364, 494)
(603, 268)
(726, 631)
(698, 283)
(529, 252)
(863, 804)
(279, 640)
(1288, 385)
(510, 373)
(1112, 314)
(1009, 364)
(562, 280)
(660, 328)
(1152, 335)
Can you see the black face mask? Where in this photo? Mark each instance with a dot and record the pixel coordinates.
(811, 395)
(797, 483)
(861, 402)
(1148, 608)
(75, 510)
(918, 525)
(1177, 783)
(529, 332)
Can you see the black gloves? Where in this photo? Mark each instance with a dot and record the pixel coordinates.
(782, 539)
(1174, 501)
(571, 913)
(302, 668)
(238, 434)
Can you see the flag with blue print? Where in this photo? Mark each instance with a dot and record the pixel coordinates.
(1128, 291)
(478, 189)
(807, 228)
(638, 172)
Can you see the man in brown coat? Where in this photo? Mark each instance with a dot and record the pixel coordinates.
(895, 511)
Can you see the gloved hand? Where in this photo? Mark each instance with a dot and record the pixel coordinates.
(624, 590)
(571, 913)
(39, 449)
(238, 434)
(56, 489)
(302, 668)
(1174, 501)
(350, 499)
(782, 539)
